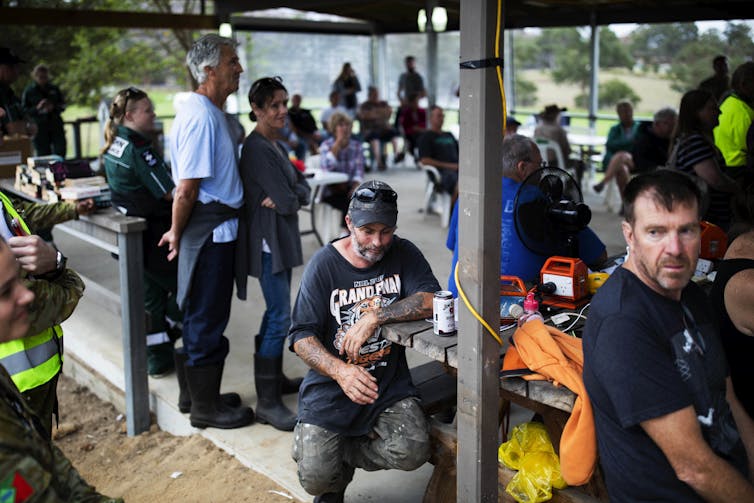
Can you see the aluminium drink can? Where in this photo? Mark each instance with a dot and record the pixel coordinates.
(443, 313)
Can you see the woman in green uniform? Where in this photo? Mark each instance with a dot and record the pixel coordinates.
(140, 185)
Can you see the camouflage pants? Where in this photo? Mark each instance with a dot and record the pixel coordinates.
(326, 461)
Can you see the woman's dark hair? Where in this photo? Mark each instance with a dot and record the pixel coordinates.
(688, 115)
(262, 92)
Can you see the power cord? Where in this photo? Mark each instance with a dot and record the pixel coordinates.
(472, 310)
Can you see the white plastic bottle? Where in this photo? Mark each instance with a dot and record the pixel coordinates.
(531, 310)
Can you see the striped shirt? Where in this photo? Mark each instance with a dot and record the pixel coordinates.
(692, 150)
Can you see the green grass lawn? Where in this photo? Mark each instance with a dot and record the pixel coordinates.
(654, 90)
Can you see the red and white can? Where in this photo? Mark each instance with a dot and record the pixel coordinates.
(443, 313)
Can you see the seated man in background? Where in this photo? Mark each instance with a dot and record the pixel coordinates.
(334, 97)
(303, 124)
(511, 125)
(620, 137)
(439, 148)
(521, 158)
(412, 122)
(357, 405)
(374, 115)
(649, 151)
(341, 154)
(551, 129)
(669, 426)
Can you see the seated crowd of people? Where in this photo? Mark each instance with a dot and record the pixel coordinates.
(682, 432)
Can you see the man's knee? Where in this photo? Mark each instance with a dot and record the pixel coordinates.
(318, 455)
(406, 441)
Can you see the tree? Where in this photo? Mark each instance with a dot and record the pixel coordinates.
(97, 59)
(610, 93)
(693, 63)
(613, 53)
(658, 44)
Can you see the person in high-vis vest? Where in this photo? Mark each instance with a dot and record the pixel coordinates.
(141, 186)
(35, 360)
(32, 467)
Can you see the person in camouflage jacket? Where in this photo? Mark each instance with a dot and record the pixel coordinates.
(32, 468)
(34, 361)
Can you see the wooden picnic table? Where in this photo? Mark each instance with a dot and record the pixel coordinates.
(552, 403)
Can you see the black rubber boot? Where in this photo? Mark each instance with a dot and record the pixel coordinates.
(184, 397)
(207, 410)
(288, 386)
(270, 408)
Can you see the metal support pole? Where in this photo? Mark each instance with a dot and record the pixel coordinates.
(479, 254)
(431, 56)
(131, 265)
(77, 139)
(594, 72)
(509, 73)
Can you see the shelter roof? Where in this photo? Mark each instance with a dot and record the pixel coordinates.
(390, 16)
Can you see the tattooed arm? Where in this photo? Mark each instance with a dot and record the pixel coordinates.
(415, 307)
(358, 384)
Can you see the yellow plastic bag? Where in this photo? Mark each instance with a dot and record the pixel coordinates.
(530, 452)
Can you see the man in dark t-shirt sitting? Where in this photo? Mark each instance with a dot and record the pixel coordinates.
(669, 426)
(439, 148)
(357, 405)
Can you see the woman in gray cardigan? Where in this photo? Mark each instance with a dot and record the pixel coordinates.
(274, 190)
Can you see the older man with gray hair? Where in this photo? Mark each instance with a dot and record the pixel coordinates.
(204, 231)
(520, 159)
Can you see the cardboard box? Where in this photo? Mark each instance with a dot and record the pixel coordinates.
(14, 150)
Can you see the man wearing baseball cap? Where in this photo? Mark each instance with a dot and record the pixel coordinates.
(357, 405)
(12, 117)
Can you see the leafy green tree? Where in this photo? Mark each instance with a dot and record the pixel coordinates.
(526, 92)
(610, 93)
(88, 63)
(657, 44)
(613, 54)
(693, 63)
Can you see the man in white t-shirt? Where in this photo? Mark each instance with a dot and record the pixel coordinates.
(204, 231)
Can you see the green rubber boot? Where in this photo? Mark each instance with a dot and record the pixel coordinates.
(160, 360)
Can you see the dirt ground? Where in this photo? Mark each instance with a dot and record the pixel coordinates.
(154, 466)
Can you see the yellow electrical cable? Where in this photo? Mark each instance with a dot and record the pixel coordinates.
(471, 308)
(498, 69)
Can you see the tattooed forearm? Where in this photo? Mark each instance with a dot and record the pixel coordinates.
(316, 356)
(416, 307)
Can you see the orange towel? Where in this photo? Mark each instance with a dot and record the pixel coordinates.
(558, 357)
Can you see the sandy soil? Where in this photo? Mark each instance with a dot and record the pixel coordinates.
(154, 466)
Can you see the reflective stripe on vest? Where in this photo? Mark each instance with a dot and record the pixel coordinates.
(32, 361)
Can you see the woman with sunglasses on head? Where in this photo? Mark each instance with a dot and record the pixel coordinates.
(141, 186)
(268, 235)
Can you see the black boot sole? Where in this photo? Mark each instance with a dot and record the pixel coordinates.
(232, 400)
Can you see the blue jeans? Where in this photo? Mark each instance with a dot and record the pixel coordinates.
(276, 321)
(208, 305)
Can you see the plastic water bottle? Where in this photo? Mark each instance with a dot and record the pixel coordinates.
(531, 310)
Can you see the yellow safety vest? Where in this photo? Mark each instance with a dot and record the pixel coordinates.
(31, 361)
